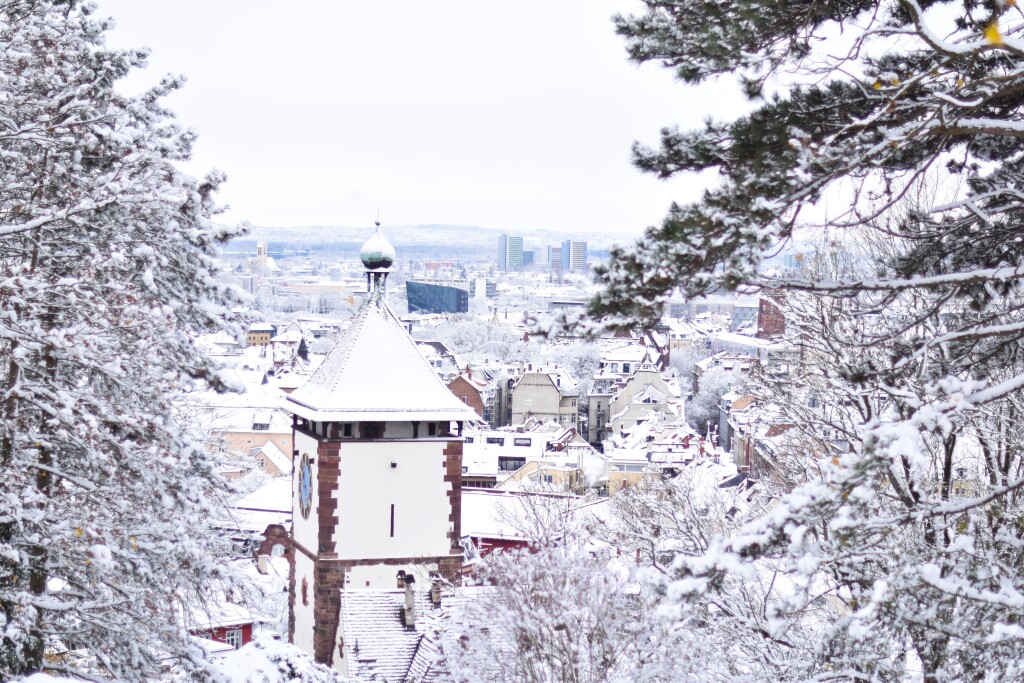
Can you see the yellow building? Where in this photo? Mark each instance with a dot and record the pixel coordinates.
(259, 334)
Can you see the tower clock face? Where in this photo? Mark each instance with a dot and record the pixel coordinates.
(305, 486)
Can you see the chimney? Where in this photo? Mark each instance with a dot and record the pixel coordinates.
(409, 611)
(400, 578)
(435, 589)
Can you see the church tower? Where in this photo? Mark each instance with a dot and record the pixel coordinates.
(378, 467)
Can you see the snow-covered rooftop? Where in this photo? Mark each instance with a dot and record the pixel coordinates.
(379, 647)
(489, 513)
(375, 372)
(275, 455)
(217, 613)
(633, 352)
(269, 504)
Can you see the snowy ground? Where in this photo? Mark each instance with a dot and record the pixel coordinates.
(264, 660)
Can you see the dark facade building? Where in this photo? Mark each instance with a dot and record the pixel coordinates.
(428, 297)
(771, 322)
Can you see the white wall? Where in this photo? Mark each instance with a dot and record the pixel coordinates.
(303, 613)
(367, 487)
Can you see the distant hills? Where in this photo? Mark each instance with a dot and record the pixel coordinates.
(411, 241)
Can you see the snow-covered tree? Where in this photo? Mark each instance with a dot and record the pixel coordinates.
(266, 660)
(716, 381)
(942, 482)
(683, 360)
(580, 358)
(105, 272)
(599, 597)
(565, 612)
(904, 89)
(914, 349)
(759, 622)
(472, 338)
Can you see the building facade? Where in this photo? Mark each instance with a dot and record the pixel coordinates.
(510, 253)
(546, 395)
(378, 461)
(573, 254)
(432, 297)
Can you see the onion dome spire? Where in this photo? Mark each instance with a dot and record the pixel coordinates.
(377, 252)
(377, 255)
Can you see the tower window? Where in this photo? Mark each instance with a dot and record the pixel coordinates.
(392, 520)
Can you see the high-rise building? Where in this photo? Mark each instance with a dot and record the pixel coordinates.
(574, 257)
(510, 253)
(555, 261)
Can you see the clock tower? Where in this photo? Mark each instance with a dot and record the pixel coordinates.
(378, 455)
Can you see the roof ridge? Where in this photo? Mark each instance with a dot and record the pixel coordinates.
(376, 369)
(343, 347)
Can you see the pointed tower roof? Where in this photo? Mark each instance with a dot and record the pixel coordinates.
(376, 373)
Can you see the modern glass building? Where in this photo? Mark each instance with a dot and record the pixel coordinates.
(510, 252)
(574, 257)
(430, 297)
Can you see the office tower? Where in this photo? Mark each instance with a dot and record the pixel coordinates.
(574, 257)
(510, 253)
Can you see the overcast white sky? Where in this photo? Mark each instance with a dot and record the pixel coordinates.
(511, 115)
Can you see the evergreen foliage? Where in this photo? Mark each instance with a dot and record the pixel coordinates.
(105, 272)
(907, 513)
(889, 101)
(564, 610)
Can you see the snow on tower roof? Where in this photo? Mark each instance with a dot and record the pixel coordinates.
(376, 373)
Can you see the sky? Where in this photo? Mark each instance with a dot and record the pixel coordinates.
(511, 115)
